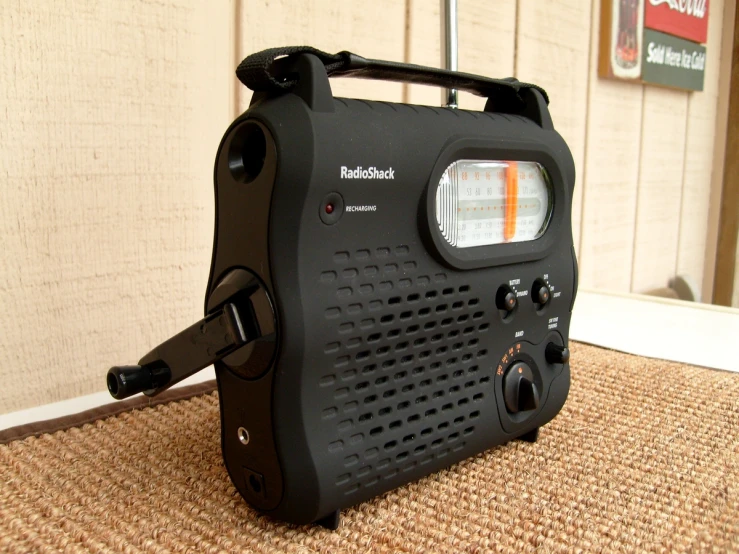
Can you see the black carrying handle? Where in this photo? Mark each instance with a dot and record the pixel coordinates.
(272, 70)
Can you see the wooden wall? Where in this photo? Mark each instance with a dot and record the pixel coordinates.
(111, 116)
(113, 112)
(726, 282)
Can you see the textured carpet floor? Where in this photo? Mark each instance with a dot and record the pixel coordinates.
(644, 457)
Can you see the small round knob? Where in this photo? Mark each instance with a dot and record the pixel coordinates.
(519, 389)
(556, 354)
(543, 295)
(505, 299)
(540, 293)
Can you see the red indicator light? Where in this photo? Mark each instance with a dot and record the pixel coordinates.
(329, 208)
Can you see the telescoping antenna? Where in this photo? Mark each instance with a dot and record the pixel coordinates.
(449, 48)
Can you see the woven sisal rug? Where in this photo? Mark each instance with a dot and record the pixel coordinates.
(644, 457)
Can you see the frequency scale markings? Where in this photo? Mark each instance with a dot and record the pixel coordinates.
(481, 203)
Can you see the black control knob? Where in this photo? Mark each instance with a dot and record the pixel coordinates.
(519, 389)
(505, 299)
(556, 354)
(540, 293)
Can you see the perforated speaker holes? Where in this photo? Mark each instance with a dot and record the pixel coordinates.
(405, 385)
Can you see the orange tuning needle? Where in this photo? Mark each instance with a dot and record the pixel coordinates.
(511, 200)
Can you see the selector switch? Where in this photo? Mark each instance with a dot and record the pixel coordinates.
(519, 389)
(540, 293)
(505, 299)
(556, 354)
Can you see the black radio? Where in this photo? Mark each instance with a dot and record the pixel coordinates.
(391, 285)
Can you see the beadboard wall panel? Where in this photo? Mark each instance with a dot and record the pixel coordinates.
(698, 170)
(612, 148)
(371, 29)
(487, 43)
(659, 190)
(112, 115)
(552, 50)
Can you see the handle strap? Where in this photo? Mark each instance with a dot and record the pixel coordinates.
(272, 70)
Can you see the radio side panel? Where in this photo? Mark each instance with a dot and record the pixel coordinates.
(257, 228)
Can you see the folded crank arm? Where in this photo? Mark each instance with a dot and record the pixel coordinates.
(215, 336)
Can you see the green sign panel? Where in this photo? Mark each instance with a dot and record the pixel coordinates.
(672, 61)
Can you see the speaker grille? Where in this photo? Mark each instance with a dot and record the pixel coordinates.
(405, 384)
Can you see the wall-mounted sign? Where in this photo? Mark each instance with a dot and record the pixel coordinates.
(621, 38)
(683, 18)
(672, 61)
(644, 41)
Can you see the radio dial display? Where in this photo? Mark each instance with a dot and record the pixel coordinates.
(481, 203)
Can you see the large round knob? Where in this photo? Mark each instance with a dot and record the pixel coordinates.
(519, 389)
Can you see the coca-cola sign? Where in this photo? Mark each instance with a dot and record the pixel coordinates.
(683, 18)
(654, 41)
(672, 61)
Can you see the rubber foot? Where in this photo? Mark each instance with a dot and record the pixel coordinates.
(530, 436)
(331, 521)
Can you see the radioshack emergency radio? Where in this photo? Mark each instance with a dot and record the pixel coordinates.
(391, 285)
